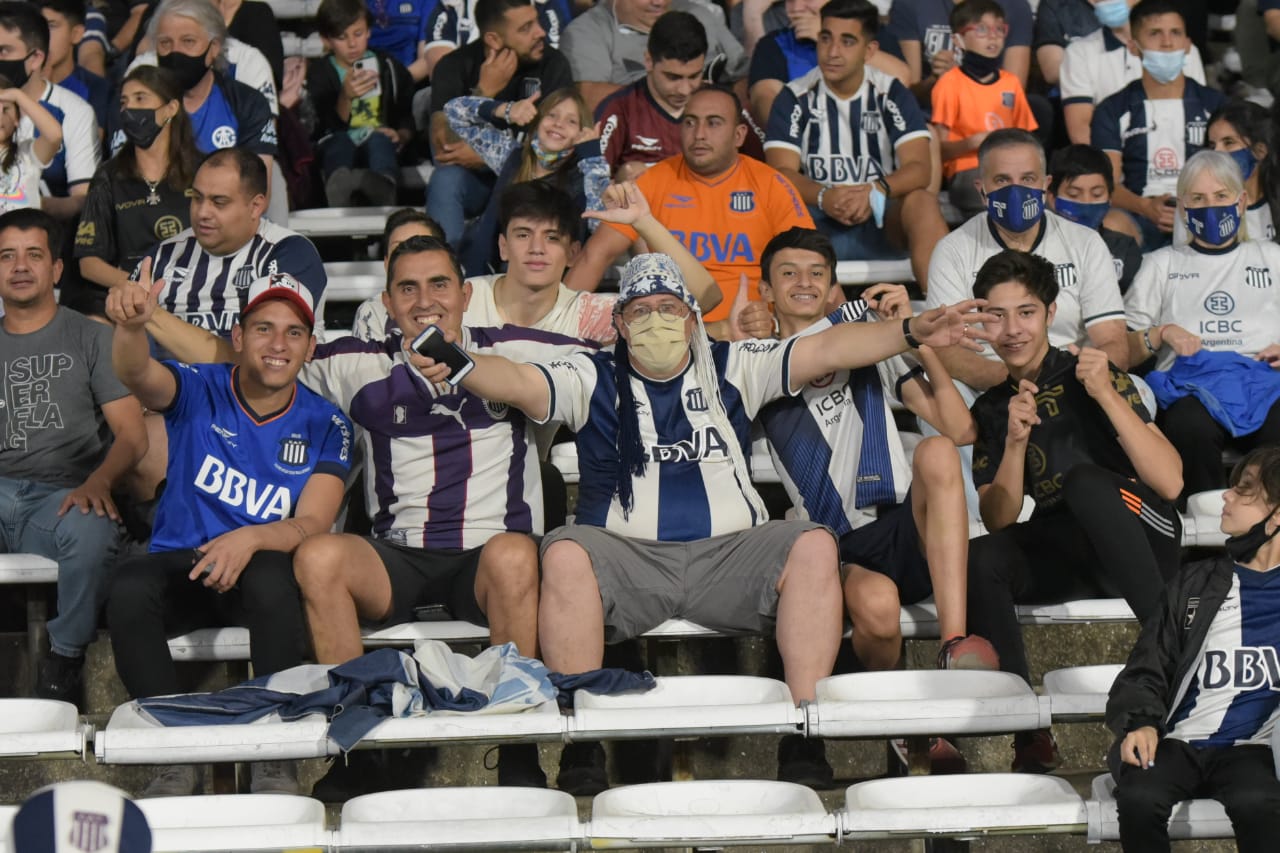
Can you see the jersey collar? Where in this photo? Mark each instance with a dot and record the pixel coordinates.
(1043, 226)
(249, 410)
(1216, 250)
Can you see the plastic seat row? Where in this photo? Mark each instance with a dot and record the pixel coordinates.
(698, 813)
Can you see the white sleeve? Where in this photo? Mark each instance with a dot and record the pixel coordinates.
(1144, 302)
(80, 141)
(761, 371)
(253, 70)
(949, 280)
(571, 381)
(1195, 65)
(1073, 76)
(1099, 290)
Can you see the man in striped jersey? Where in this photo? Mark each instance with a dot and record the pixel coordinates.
(668, 524)
(1201, 689)
(856, 146)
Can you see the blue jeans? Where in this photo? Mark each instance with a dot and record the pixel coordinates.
(455, 193)
(83, 544)
(861, 242)
(377, 153)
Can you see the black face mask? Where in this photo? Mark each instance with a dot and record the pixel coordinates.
(15, 71)
(140, 126)
(980, 66)
(188, 70)
(1243, 547)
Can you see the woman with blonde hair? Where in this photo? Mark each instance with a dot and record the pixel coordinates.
(561, 146)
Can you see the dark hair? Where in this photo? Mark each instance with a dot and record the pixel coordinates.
(10, 156)
(862, 11)
(252, 171)
(1252, 123)
(490, 14)
(408, 216)
(1267, 461)
(970, 12)
(334, 16)
(32, 28)
(540, 201)
(724, 90)
(1031, 271)
(183, 154)
(1008, 137)
(72, 10)
(35, 219)
(1076, 161)
(798, 238)
(418, 245)
(679, 36)
(1151, 9)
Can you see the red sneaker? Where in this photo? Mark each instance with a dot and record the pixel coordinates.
(1035, 752)
(944, 758)
(971, 652)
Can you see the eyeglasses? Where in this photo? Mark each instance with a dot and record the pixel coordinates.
(667, 311)
(985, 31)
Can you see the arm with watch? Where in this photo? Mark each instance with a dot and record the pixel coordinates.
(849, 345)
(1147, 341)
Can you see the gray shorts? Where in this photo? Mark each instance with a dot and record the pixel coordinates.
(726, 583)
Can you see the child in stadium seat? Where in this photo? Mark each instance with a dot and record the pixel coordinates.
(1201, 688)
(363, 105)
(974, 98)
(1080, 187)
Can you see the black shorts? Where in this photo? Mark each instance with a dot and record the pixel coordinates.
(422, 576)
(890, 545)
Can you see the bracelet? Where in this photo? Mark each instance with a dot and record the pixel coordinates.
(821, 193)
(883, 186)
(506, 115)
(906, 333)
(1146, 341)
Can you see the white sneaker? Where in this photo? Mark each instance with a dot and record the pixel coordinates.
(177, 780)
(273, 777)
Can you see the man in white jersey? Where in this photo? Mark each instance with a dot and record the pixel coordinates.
(1090, 312)
(1201, 690)
(856, 146)
(689, 537)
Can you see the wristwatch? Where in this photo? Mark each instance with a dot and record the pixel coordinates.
(906, 333)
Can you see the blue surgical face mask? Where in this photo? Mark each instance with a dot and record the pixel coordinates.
(1164, 65)
(1245, 160)
(1016, 208)
(1088, 214)
(1216, 226)
(1112, 13)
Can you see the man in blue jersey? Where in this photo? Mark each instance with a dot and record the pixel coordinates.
(667, 522)
(1152, 126)
(258, 464)
(69, 433)
(855, 145)
(1194, 710)
(840, 457)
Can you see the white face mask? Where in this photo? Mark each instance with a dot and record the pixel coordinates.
(658, 344)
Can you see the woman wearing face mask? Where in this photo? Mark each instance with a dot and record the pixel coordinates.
(1213, 302)
(562, 146)
(1242, 129)
(189, 36)
(138, 197)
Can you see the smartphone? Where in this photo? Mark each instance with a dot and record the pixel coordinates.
(432, 613)
(431, 344)
(370, 63)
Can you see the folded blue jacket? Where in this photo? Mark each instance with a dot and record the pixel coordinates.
(1238, 391)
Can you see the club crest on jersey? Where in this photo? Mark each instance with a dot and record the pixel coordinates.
(497, 411)
(870, 121)
(695, 400)
(743, 201)
(224, 136)
(1006, 100)
(243, 278)
(293, 451)
(399, 415)
(1196, 131)
(1259, 277)
(1065, 274)
(88, 831)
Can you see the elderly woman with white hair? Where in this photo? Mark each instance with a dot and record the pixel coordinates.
(1209, 311)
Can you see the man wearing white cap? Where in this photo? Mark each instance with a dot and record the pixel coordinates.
(257, 464)
(668, 524)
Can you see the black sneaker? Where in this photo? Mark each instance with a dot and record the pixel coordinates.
(1035, 752)
(518, 766)
(582, 769)
(803, 761)
(369, 771)
(61, 678)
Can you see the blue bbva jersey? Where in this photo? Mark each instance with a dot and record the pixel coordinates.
(229, 468)
(1234, 692)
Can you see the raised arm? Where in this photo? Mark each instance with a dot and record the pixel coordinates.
(46, 145)
(130, 308)
(476, 122)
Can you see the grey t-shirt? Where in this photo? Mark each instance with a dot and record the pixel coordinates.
(601, 50)
(56, 381)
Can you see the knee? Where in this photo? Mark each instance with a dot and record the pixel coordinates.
(1136, 800)
(317, 565)
(509, 563)
(815, 562)
(566, 566)
(1188, 423)
(936, 461)
(1083, 485)
(1252, 803)
(132, 592)
(268, 580)
(873, 605)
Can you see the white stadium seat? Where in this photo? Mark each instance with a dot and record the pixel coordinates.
(340, 221)
(41, 728)
(489, 818)
(700, 813)
(923, 702)
(241, 822)
(1079, 692)
(962, 806)
(1190, 818)
(873, 272)
(689, 705)
(1200, 523)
